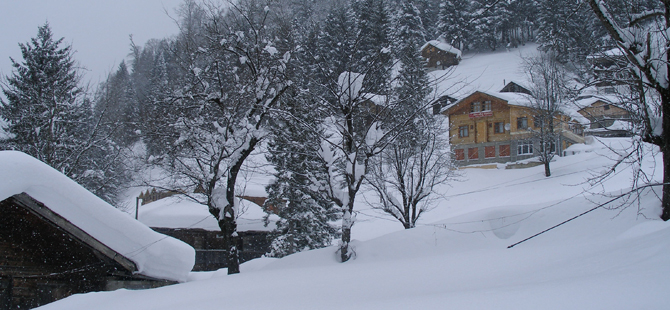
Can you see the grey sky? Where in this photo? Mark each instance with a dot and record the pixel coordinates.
(98, 30)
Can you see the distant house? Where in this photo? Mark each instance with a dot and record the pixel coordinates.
(496, 127)
(606, 117)
(515, 87)
(440, 54)
(58, 239)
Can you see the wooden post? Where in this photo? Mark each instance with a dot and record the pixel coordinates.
(137, 207)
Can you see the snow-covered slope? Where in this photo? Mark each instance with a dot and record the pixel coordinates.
(484, 71)
(154, 254)
(458, 257)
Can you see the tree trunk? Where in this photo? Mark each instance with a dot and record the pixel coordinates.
(344, 248)
(665, 148)
(547, 171)
(229, 228)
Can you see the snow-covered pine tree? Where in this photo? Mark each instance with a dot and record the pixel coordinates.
(298, 194)
(49, 117)
(116, 107)
(373, 21)
(568, 28)
(46, 112)
(454, 23)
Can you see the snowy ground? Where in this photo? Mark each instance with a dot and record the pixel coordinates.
(458, 257)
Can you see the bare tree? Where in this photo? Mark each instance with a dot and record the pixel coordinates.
(411, 170)
(643, 40)
(549, 85)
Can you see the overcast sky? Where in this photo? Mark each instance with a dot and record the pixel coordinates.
(98, 30)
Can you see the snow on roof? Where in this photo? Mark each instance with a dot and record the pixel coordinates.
(587, 101)
(615, 52)
(379, 100)
(180, 212)
(155, 255)
(443, 46)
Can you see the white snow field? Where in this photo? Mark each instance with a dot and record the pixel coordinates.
(154, 254)
(458, 258)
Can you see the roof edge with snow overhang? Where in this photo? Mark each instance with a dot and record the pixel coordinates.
(117, 235)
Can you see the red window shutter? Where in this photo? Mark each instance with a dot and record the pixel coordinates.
(490, 151)
(460, 154)
(503, 150)
(473, 153)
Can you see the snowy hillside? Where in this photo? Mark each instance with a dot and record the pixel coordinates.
(484, 71)
(458, 257)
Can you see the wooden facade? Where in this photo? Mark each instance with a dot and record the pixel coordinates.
(440, 55)
(210, 250)
(46, 258)
(488, 129)
(602, 114)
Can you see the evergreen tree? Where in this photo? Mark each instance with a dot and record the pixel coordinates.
(569, 29)
(298, 192)
(49, 118)
(454, 22)
(45, 109)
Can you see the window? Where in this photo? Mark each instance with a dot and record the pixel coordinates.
(463, 131)
(606, 107)
(489, 151)
(503, 150)
(475, 107)
(460, 154)
(524, 147)
(499, 127)
(522, 123)
(550, 144)
(486, 106)
(473, 153)
(537, 121)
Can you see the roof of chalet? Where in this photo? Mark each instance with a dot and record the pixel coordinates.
(520, 84)
(444, 47)
(93, 221)
(587, 101)
(523, 100)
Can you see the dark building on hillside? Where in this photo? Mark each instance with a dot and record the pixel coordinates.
(440, 55)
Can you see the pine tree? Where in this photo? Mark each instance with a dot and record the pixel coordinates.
(49, 118)
(454, 21)
(298, 192)
(45, 108)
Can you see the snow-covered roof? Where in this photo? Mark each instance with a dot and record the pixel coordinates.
(379, 100)
(443, 46)
(154, 255)
(587, 101)
(180, 212)
(615, 52)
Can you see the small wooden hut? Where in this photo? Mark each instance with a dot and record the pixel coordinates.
(440, 55)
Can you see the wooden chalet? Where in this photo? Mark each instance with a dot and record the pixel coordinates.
(496, 128)
(606, 117)
(53, 242)
(440, 55)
